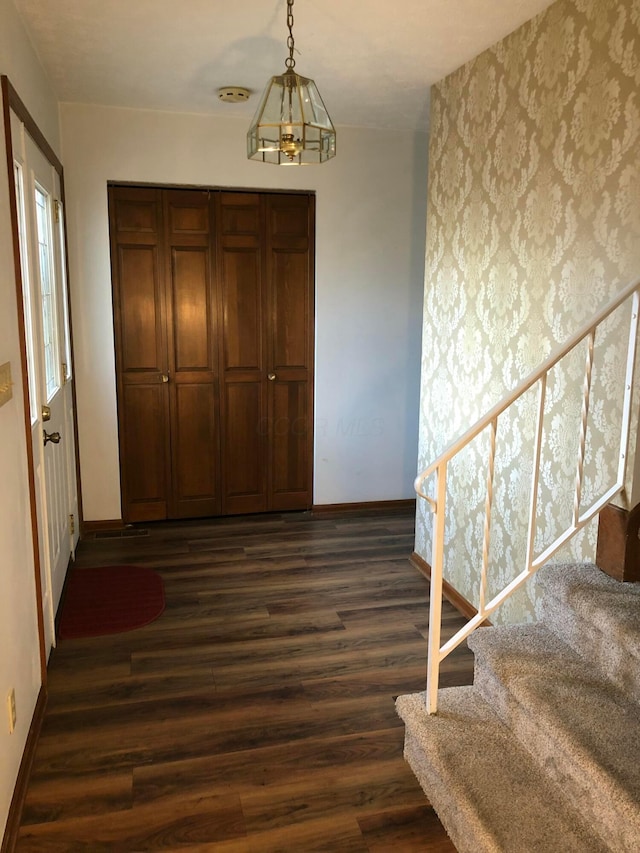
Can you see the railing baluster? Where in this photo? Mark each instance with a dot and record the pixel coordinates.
(628, 386)
(435, 593)
(487, 515)
(586, 398)
(537, 449)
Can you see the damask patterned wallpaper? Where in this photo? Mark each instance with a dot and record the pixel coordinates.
(533, 224)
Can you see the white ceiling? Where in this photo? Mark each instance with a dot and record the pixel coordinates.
(373, 60)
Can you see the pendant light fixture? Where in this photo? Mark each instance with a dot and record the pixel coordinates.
(291, 126)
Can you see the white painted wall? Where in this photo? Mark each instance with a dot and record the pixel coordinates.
(19, 648)
(369, 271)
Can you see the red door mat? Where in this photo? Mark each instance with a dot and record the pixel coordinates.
(110, 600)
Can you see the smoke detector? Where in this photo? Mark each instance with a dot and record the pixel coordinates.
(233, 94)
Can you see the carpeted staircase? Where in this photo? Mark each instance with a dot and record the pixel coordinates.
(543, 752)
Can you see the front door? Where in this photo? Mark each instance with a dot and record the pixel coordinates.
(45, 303)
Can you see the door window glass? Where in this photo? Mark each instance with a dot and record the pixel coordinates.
(47, 292)
(26, 289)
(64, 292)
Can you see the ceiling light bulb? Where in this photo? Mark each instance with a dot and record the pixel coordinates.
(290, 146)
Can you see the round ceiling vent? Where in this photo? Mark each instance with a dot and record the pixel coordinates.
(233, 94)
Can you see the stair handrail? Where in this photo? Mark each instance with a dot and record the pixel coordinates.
(436, 653)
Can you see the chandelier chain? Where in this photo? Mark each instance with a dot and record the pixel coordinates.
(290, 61)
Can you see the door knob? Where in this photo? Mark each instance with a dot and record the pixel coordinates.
(53, 437)
(271, 377)
(165, 377)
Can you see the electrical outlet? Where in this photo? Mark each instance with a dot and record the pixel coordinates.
(11, 710)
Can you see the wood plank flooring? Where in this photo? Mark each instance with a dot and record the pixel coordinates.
(257, 713)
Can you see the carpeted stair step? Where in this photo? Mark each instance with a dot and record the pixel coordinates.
(598, 617)
(488, 792)
(572, 720)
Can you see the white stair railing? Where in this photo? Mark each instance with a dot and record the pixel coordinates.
(533, 561)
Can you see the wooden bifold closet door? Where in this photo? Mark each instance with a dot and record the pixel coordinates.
(213, 319)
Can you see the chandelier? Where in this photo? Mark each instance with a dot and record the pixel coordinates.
(291, 126)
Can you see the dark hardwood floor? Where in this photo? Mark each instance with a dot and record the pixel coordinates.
(257, 713)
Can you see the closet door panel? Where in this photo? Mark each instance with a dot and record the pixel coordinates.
(242, 309)
(289, 481)
(192, 320)
(289, 270)
(141, 351)
(145, 450)
(244, 455)
(140, 314)
(194, 441)
(242, 356)
(291, 309)
(189, 214)
(193, 376)
(135, 213)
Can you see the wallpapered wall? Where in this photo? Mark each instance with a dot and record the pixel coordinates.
(533, 223)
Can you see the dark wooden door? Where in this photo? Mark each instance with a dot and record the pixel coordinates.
(266, 256)
(242, 352)
(137, 259)
(213, 307)
(192, 347)
(289, 286)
